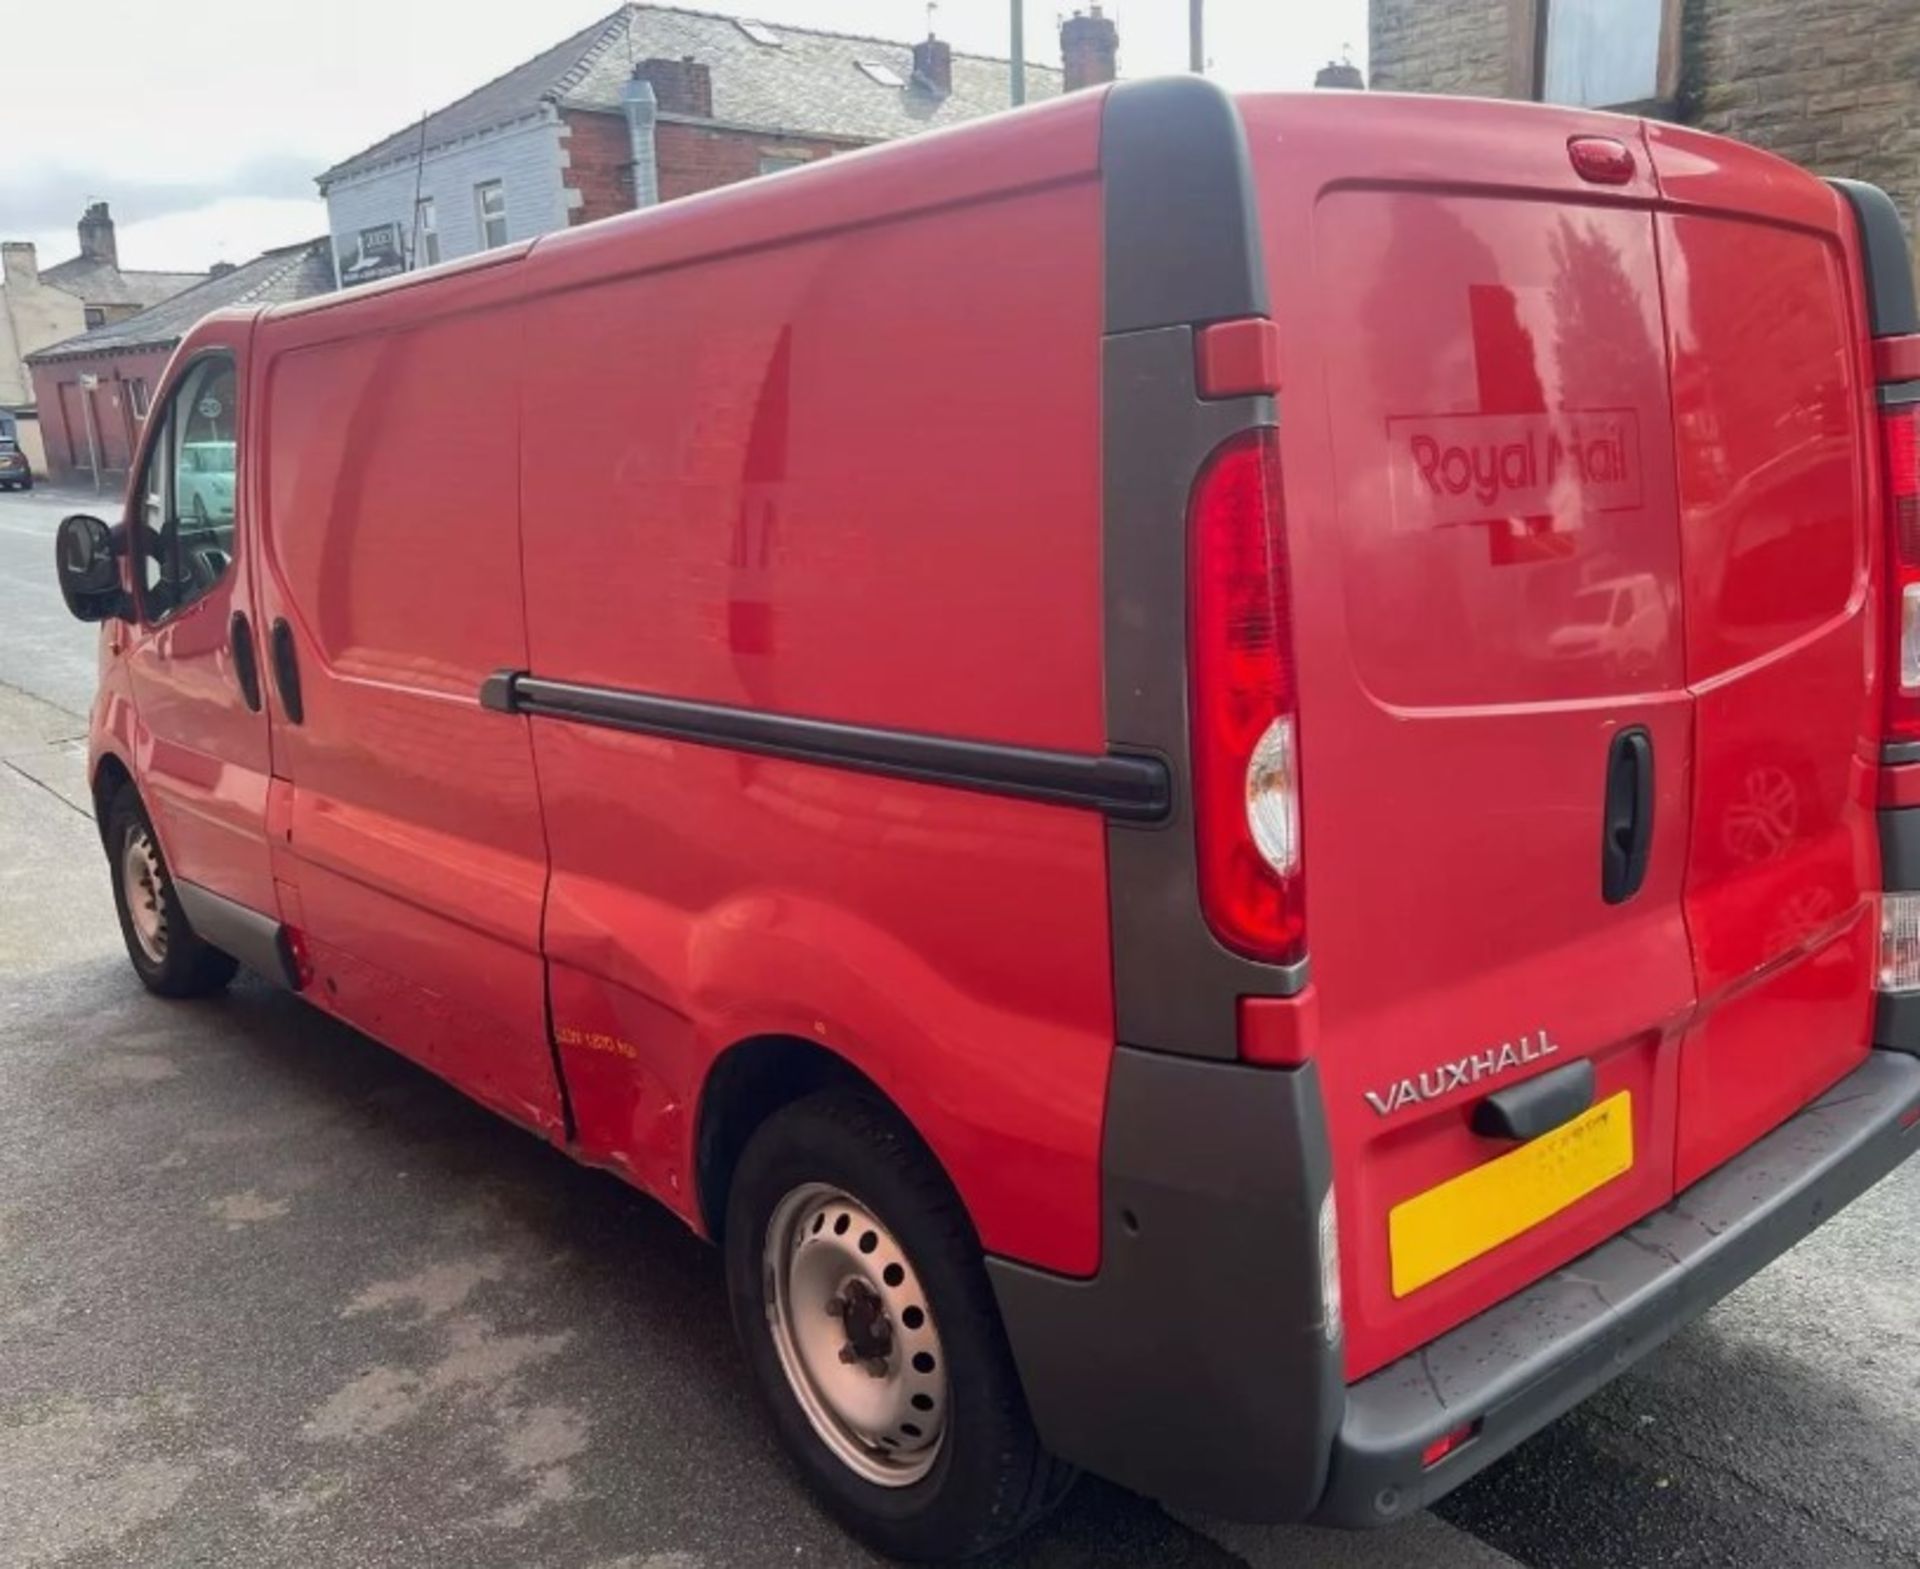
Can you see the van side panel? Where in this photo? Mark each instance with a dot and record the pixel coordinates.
(775, 480)
(415, 839)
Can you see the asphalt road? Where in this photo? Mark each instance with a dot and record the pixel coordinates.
(270, 1295)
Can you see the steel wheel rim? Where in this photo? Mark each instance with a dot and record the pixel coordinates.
(142, 879)
(855, 1335)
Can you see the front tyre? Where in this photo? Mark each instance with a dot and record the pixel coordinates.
(170, 958)
(858, 1294)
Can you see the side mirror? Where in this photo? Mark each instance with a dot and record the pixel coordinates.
(87, 561)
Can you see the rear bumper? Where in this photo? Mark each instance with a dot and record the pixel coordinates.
(1532, 1357)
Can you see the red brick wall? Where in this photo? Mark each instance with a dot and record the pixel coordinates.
(691, 158)
(697, 158)
(63, 420)
(599, 164)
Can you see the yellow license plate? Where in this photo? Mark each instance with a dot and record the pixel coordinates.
(1434, 1233)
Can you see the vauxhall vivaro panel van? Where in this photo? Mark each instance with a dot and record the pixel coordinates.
(1204, 774)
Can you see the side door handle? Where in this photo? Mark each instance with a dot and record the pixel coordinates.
(286, 672)
(246, 668)
(1626, 824)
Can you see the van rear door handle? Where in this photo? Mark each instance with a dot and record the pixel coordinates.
(286, 671)
(246, 668)
(1626, 825)
(1539, 1106)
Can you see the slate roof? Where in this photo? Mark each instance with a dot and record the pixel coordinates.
(290, 272)
(96, 282)
(810, 83)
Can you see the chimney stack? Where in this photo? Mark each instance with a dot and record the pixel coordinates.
(682, 86)
(1340, 73)
(933, 66)
(1089, 49)
(19, 264)
(96, 235)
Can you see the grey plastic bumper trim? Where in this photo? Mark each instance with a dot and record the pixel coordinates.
(252, 938)
(1900, 849)
(1526, 1360)
(1212, 1177)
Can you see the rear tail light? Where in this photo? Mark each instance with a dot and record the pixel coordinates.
(1900, 942)
(1900, 442)
(1246, 747)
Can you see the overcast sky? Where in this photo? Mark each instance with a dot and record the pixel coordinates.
(204, 122)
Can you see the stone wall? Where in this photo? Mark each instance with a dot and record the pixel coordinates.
(1834, 85)
(1439, 46)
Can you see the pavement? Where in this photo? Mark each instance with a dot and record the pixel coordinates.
(270, 1295)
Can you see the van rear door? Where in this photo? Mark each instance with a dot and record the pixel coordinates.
(1771, 388)
(1575, 504)
(1487, 589)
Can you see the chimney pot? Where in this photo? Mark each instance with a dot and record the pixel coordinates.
(1089, 49)
(933, 65)
(1340, 73)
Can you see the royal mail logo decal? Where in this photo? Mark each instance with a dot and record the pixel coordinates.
(1452, 469)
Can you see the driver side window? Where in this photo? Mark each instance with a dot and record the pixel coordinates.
(187, 494)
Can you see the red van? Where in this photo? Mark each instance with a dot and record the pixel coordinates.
(1204, 774)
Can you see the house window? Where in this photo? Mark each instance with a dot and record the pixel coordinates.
(490, 210)
(879, 71)
(1605, 53)
(428, 224)
(774, 162)
(137, 392)
(95, 317)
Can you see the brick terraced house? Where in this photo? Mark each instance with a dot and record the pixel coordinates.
(93, 390)
(40, 305)
(651, 103)
(1832, 84)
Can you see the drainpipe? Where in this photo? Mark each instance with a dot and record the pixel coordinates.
(642, 111)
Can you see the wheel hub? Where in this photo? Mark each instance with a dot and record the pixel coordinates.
(855, 1335)
(142, 880)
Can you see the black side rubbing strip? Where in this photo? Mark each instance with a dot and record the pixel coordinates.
(496, 692)
(286, 671)
(246, 668)
(1128, 787)
(1891, 310)
(1183, 243)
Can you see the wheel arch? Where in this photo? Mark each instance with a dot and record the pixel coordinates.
(750, 1082)
(110, 773)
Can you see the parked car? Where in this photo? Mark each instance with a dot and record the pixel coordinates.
(839, 733)
(206, 479)
(15, 472)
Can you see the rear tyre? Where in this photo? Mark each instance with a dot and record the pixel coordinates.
(859, 1296)
(170, 958)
